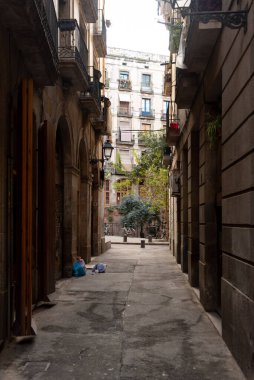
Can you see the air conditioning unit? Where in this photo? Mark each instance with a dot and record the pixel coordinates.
(174, 183)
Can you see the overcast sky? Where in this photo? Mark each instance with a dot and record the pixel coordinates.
(134, 26)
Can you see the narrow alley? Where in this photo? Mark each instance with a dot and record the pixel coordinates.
(139, 320)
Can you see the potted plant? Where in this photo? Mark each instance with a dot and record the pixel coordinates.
(213, 130)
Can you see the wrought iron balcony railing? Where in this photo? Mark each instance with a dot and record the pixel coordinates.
(146, 88)
(124, 112)
(48, 17)
(72, 46)
(95, 85)
(91, 99)
(124, 84)
(149, 114)
(125, 138)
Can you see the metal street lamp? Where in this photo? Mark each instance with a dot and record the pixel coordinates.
(107, 150)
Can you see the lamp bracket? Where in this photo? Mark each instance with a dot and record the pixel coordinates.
(232, 20)
(95, 161)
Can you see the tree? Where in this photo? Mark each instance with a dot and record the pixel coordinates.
(136, 212)
(149, 174)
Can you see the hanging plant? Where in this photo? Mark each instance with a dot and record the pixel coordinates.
(213, 129)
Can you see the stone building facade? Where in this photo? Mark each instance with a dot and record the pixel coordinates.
(139, 101)
(54, 117)
(211, 203)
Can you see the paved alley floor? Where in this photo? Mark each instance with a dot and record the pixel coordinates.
(139, 320)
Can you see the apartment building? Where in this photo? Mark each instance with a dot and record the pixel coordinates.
(211, 202)
(54, 116)
(135, 87)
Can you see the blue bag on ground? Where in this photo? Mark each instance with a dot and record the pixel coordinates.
(100, 267)
(78, 270)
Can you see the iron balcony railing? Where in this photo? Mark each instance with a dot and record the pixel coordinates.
(124, 111)
(72, 45)
(94, 84)
(46, 10)
(124, 84)
(125, 138)
(146, 87)
(147, 113)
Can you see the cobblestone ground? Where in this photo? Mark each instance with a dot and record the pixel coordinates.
(139, 320)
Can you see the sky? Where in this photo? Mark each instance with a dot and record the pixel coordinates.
(134, 26)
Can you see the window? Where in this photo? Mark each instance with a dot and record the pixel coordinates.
(146, 106)
(145, 127)
(146, 80)
(124, 81)
(125, 156)
(165, 106)
(121, 193)
(107, 192)
(124, 75)
(125, 132)
(124, 108)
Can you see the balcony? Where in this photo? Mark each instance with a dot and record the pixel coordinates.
(146, 114)
(186, 87)
(100, 35)
(73, 55)
(124, 85)
(102, 124)
(90, 100)
(172, 133)
(33, 24)
(125, 138)
(124, 112)
(201, 37)
(167, 156)
(175, 183)
(90, 10)
(146, 89)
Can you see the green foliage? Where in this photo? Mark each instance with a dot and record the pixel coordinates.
(110, 209)
(149, 174)
(151, 158)
(118, 166)
(136, 211)
(110, 218)
(213, 129)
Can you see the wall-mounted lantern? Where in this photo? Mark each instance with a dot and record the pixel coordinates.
(107, 150)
